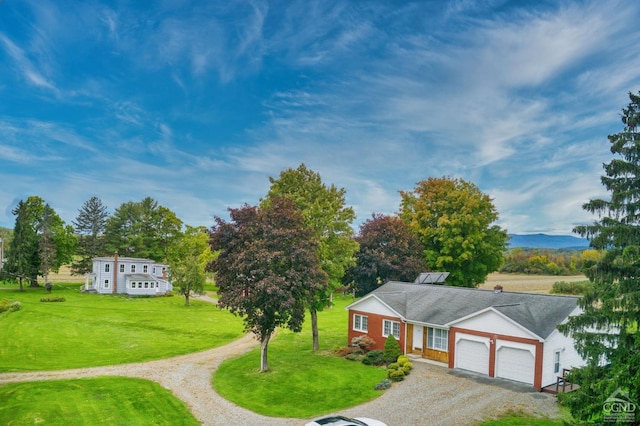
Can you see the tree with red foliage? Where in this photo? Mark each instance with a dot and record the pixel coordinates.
(267, 268)
(388, 251)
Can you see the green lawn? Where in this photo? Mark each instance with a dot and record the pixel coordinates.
(103, 400)
(90, 330)
(300, 384)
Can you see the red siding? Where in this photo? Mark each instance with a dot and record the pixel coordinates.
(375, 329)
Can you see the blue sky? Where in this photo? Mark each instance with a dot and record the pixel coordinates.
(197, 103)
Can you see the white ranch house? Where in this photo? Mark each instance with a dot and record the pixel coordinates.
(127, 275)
(494, 333)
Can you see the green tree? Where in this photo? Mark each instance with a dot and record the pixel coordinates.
(267, 265)
(188, 259)
(607, 331)
(455, 222)
(325, 214)
(388, 251)
(42, 241)
(391, 349)
(142, 229)
(89, 226)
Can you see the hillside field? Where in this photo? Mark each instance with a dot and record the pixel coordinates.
(509, 282)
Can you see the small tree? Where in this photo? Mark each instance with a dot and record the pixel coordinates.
(391, 349)
(188, 259)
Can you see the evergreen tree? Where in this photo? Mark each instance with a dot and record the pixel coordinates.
(607, 332)
(90, 226)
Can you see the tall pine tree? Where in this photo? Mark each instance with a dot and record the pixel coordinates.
(90, 226)
(606, 332)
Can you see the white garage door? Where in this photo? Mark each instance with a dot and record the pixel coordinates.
(472, 355)
(515, 364)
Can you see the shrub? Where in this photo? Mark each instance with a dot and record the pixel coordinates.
(391, 349)
(52, 299)
(395, 375)
(374, 357)
(407, 368)
(402, 360)
(346, 351)
(7, 305)
(393, 366)
(364, 342)
(353, 357)
(383, 385)
(577, 287)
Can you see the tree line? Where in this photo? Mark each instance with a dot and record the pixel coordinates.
(549, 261)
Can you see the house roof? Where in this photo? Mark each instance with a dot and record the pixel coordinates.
(441, 305)
(140, 277)
(126, 259)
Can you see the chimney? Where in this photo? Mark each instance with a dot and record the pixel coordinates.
(497, 289)
(115, 273)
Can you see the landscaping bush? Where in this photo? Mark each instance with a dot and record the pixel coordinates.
(407, 368)
(7, 305)
(391, 349)
(374, 357)
(395, 375)
(364, 342)
(353, 357)
(52, 299)
(346, 351)
(574, 288)
(383, 385)
(402, 360)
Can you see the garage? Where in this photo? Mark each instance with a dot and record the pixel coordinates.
(516, 363)
(472, 355)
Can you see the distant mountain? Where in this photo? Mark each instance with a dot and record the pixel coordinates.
(547, 241)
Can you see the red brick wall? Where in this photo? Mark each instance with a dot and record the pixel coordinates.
(375, 329)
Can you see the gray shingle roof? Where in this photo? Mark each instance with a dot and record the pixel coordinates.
(440, 305)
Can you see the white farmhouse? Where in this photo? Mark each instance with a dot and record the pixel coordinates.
(127, 275)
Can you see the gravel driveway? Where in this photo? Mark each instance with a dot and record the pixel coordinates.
(431, 394)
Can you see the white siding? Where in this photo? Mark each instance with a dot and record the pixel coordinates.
(492, 322)
(373, 306)
(569, 357)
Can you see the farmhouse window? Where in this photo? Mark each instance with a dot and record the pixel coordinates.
(106, 267)
(437, 338)
(360, 322)
(140, 284)
(122, 267)
(145, 268)
(556, 362)
(390, 327)
(133, 268)
(106, 284)
(146, 285)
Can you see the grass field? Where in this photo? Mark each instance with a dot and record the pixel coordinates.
(103, 400)
(301, 383)
(89, 330)
(527, 283)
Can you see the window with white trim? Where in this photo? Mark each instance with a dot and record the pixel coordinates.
(106, 267)
(360, 322)
(556, 362)
(122, 267)
(391, 327)
(133, 269)
(145, 268)
(106, 284)
(438, 338)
